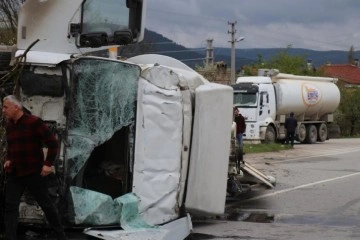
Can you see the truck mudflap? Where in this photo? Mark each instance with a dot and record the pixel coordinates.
(175, 230)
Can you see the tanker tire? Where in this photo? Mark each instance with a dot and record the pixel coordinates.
(301, 135)
(322, 132)
(270, 135)
(311, 134)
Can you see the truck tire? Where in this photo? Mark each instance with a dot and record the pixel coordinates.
(322, 132)
(301, 134)
(270, 135)
(311, 134)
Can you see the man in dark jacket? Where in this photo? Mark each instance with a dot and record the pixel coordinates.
(290, 126)
(26, 165)
(240, 125)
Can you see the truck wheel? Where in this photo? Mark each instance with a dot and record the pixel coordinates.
(301, 134)
(311, 134)
(270, 135)
(322, 132)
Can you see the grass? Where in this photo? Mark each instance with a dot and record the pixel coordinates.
(259, 148)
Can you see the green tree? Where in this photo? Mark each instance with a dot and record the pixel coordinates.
(287, 63)
(284, 62)
(252, 70)
(348, 113)
(8, 20)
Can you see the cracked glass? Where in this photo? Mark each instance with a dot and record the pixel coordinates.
(103, 102)
(101, 120)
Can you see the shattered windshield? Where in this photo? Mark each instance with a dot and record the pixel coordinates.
(245, 99)
(103, 100)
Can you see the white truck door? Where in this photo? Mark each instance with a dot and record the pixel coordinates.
(264, 109)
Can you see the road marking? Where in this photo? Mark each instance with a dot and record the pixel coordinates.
(312, 156)
(299, 187)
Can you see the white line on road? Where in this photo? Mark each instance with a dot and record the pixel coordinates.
(301, 186)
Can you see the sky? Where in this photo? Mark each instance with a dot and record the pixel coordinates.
(313, 24)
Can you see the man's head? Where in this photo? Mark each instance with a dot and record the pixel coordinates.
(291, 114)
(12, 108)
(236, 111)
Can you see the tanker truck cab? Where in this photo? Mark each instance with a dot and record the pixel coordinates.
(255, 98)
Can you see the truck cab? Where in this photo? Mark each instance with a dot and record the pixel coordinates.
(255, 98)
(76, 27)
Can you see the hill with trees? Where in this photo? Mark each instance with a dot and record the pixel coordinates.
(161, 45)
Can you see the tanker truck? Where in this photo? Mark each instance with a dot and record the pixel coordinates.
(267, 99)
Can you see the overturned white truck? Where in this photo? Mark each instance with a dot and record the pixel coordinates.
(144, 142)
(141, 146)
(131, 139)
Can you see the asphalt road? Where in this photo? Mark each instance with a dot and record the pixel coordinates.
(317, 196)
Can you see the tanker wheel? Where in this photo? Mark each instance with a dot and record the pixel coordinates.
(301, 134)
(322, 132)
(311, 134)
(270, 135)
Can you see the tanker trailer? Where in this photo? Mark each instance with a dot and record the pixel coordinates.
(266, 100)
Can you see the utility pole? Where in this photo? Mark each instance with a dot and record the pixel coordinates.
(233, 41)
(209, 53)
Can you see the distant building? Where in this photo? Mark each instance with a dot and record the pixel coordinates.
(222, 75)
(348, 74)
(217, 73)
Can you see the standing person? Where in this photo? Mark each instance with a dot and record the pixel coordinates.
(290, 126)
(240, 125)
(26, 167)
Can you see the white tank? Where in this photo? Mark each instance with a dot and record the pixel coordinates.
(311, 98)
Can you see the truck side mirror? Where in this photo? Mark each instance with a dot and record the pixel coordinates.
(123, 37)
(93, 40)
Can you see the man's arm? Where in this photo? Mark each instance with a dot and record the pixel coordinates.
(49, 140)
(244, 123)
